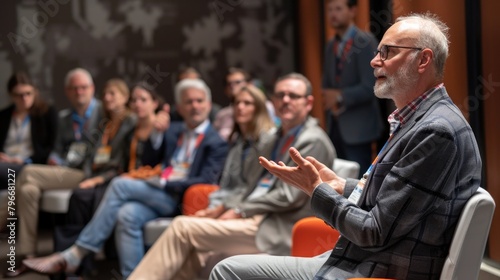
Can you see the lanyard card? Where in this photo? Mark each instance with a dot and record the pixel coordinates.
(263, 186)
(179, 171)
(76, 153)
(102, 155)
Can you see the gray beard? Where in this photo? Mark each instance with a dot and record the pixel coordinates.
(401, 81)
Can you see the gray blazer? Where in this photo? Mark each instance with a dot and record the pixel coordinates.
(65, 136)
(405, 219)
(237, 176)
(360, 122)
(118, 161)
(284, 204)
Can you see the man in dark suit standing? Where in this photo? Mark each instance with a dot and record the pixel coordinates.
(194, 153)
(353, 117)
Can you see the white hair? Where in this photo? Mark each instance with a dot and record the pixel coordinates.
(191, 83)
(434, 34)
(78, 71)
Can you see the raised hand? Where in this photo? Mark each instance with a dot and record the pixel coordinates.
(328, 176)
(162, 120)
(304, 176)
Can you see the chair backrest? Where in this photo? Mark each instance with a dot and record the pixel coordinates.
(196, 198)
(346, 168)
(469, 241)
(311, 236)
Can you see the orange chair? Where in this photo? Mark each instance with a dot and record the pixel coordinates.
(311, 236)
(195, 198)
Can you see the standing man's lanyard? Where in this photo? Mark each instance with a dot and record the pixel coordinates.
(356, 193)
(341, 49)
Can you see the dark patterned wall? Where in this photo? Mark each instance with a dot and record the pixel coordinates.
(141, 39)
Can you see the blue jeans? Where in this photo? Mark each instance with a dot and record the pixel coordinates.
(128, 204)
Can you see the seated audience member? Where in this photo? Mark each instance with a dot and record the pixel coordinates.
(397, 223)
(134, 148)
(188, 73)
(252, 135)
(236, 78)
(192, 73)
(27, 130)
(28, 127)
(69, 162)
(258, 220)
(27, 135)
(112, 154)
(108, 152)
(194, 154)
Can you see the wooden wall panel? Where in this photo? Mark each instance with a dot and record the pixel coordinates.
(311, 49)
(490, 82)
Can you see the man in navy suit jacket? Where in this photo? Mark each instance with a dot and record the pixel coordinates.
(194, 153)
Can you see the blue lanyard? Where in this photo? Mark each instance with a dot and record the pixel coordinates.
(20, 130)
(382, 150)
(81, 123)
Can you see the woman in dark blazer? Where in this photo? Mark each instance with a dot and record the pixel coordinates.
(27, 128)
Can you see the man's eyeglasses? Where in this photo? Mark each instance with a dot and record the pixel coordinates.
(384, 50)
(292, 96)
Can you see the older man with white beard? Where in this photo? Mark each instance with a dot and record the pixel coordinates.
(397, 221)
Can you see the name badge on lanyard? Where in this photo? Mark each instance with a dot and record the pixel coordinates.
(179, 171)
(181, 164)
(263, 186)
(76, 153)
(358, 190)
(102, 155)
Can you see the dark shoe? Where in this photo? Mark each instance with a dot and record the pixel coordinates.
(51, 264)
(19, 269)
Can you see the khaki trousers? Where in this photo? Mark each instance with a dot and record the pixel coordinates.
(178, 253)
(34, 179)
